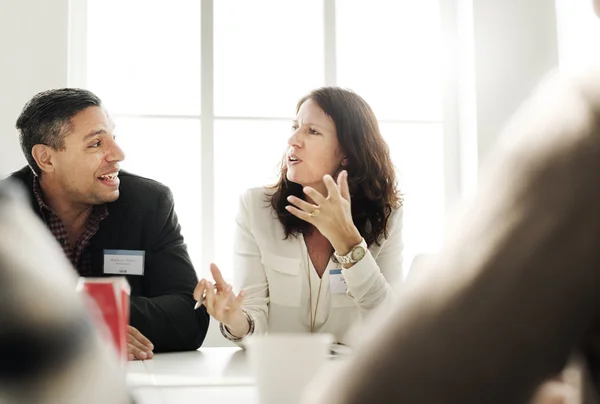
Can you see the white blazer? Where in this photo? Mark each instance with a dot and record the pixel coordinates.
(274, 272)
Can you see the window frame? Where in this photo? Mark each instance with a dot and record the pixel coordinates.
(76, 76)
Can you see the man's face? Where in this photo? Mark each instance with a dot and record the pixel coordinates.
(87, 167)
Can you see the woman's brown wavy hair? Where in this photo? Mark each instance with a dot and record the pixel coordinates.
(371, 174)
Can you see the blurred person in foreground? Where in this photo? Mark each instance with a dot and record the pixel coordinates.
(515, 292)
(49, 350)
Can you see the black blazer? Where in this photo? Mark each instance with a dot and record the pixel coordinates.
(143, 218)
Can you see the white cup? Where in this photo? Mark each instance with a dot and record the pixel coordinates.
(284, 364)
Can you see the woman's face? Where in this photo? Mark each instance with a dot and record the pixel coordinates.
(313, 147)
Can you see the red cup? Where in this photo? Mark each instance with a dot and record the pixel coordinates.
(111, 298)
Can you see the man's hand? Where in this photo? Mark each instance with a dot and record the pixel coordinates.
(138, 346)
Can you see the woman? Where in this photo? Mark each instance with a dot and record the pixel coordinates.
(314, 254)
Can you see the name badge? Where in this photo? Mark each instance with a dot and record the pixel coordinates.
(337, 283)
(124, 262)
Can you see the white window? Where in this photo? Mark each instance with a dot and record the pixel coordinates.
(578, 34)
(203, 93)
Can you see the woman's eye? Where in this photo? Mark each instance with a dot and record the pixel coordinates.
(313, 132)
(294, 127)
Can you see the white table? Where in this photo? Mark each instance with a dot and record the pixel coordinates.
(208, 375)
(219, 375)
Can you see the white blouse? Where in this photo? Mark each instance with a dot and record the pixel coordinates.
(274, 273)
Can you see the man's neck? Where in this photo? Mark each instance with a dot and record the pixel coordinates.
(74, 215)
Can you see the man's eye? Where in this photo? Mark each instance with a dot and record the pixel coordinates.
(97, 144)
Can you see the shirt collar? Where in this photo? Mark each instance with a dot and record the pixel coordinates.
(101, 211)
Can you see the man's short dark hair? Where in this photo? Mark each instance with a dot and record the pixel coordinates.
(46, 118)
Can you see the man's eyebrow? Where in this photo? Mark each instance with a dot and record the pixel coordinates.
(94, 133)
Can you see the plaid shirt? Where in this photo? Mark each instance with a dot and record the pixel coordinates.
(80, 254)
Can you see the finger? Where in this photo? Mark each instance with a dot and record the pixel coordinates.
(240, 298)
(236, 301)
(140, 337)
(301, 204)
(134, 343)
(300, 214)
(136, 352)
(218, 277)
(343, 185)
(199, 290)
(209, 302)
(317, 198)
(223, 300)
(333, 191)
(140, 354)
(200, 293)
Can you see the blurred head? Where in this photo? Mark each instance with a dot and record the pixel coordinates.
(335, 129)
(597, 7)
(67, 138)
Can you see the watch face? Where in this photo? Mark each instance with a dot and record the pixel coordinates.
(358, 253)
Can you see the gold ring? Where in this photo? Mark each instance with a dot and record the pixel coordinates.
(314, 212)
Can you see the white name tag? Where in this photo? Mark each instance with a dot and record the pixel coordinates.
(337, 283)
(124, 262)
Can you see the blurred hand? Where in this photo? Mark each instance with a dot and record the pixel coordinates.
(138, 346)
(554, 392)
(221, 303)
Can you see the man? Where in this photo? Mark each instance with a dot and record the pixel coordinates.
(49, 352)
(103, 217)
(516, 291)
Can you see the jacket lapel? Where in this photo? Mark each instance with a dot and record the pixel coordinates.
(108, 236)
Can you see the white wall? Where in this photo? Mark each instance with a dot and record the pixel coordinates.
(33, 58)
(515, 46)
(496, 52)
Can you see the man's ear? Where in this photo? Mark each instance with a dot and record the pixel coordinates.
(42, 155)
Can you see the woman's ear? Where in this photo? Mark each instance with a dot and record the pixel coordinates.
(344, 162)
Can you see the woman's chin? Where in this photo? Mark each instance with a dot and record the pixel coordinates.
(302, 180)
(293, 178)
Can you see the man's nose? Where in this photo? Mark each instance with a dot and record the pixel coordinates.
(116, 153)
